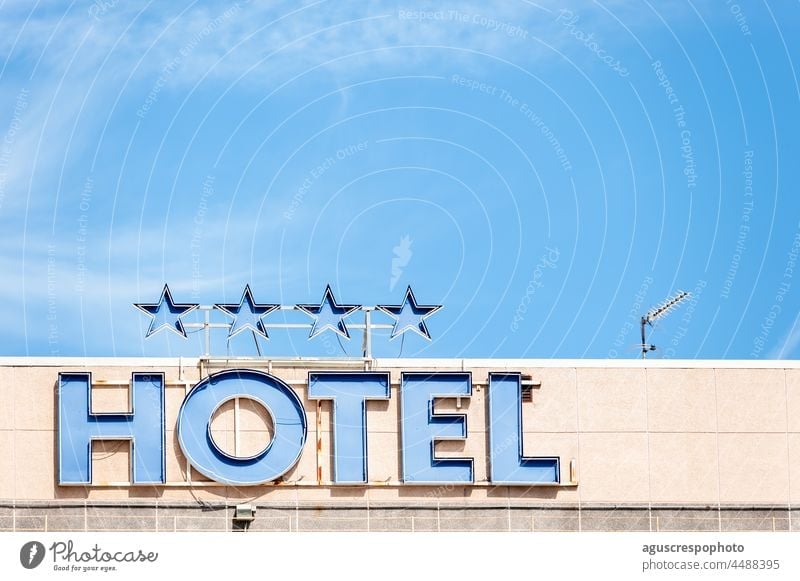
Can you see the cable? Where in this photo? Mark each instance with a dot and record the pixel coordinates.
(112, 452)
(342, 346)
(204, 505)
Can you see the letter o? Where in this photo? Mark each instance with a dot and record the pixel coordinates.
(279, 456)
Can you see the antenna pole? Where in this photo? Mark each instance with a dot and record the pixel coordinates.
(644, 344)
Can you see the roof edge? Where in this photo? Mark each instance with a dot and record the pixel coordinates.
(392, 363)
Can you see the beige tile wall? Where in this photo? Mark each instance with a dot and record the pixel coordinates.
(611, 400)
(639, 435)
(751, 400)
(793, 399)
(675, 475)
(7, 392)
(613, 467)
(7, 464)
(794, 468)
(753, 468)
(681, 400)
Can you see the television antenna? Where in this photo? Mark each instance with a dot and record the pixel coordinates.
(658, 312)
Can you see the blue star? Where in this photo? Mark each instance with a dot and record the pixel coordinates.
(409, 316)
(247, 314)
(329, 315)
(166, 313)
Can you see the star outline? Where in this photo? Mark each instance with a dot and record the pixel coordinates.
(422, 312)
(314, 310)
(254, 307)
(178, 310)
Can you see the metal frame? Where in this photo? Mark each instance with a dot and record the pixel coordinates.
(179, 310)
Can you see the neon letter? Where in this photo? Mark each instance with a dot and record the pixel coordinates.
(349, 393)
(143, 426)
(282, 403)
(507, 464)
(422, 427)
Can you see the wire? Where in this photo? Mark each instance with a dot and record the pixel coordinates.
(402, 342)
(112, 452)
(204, 505)
(342, 346)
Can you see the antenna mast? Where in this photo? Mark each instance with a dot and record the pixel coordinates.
(656, 313)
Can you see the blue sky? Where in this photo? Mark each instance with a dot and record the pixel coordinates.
(545, 171)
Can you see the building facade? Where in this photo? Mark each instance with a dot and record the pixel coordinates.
(639, 446)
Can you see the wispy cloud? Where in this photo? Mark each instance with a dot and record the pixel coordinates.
(787, 346)
(223, 39)
(69, 57)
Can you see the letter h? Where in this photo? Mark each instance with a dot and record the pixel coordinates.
(142, 424)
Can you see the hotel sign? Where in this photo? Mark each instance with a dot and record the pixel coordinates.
(144, 425)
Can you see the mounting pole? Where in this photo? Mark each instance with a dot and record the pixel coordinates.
(645, 345)
(207, 330)
(367, 334)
